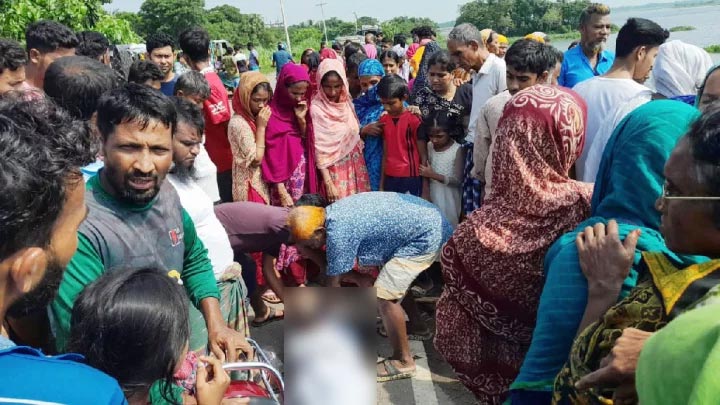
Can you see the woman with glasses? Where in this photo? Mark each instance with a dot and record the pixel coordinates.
(629, 181)
(689, 204)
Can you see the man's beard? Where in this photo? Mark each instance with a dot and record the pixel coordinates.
(183, 172)
(38, 299)
(597, 46)
(125, 192)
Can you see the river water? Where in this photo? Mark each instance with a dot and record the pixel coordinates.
(705, 19)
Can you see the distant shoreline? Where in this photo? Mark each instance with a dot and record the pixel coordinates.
(677, 4)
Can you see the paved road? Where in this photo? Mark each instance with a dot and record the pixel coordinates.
(435, 382)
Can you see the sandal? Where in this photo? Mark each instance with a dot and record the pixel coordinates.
(270, 297)
(393, 374)
(272, 316)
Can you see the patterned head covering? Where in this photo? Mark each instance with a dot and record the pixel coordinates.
(533, 201)
(371, 67)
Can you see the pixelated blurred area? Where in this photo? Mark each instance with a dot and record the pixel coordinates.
(435, 382)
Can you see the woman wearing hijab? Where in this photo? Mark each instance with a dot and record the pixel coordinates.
(709, 92)
(492, 265)
(289, 163)
(328, 53)
(679, 70)
(246, 133)
(629, 181)
(369, 109)
(338, 148)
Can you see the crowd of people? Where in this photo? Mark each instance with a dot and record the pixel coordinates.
(562, 211)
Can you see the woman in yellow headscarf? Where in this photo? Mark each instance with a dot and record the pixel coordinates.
(504, 44)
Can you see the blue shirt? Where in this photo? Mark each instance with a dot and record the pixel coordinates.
(168, 88)
(281, 58)
(29, 375)
(576, 66)
(377, 226)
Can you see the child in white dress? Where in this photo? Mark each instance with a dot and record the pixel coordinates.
(445, 167)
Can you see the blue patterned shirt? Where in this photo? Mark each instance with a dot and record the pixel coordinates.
(377, 226)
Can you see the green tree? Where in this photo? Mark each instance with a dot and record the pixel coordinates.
(171, 16)
(132, 18)
(365, 20)
(79, 15)
(520, 17)
(336, 27)
(403, 25)
(227, 22)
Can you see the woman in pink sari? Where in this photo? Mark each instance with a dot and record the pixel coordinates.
(289, 163)
(338, 147)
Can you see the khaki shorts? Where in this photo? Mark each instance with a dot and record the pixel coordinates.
(398, 274)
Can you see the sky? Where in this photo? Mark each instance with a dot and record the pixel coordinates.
(297, 11)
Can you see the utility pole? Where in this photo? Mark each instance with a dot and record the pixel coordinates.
(356, 20)
(322, 13)
(287, 35)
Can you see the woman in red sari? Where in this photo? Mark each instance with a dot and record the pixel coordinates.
(493, 264)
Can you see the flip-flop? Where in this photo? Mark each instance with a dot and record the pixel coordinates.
(270, 297)
(271, 317)
(393, 373)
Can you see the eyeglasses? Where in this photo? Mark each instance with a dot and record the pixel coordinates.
(665, 196)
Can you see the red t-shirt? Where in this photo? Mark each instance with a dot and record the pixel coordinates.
(402, 158)
(217, 116)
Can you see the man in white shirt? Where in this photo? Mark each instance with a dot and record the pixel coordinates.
(238, 57)
(467, 48)
(528, 63)
(635, 50)
(200, 208)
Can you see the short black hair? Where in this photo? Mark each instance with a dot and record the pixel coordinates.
(351, 49)
(527, 55)
(250, 45)
(133, 325)
(92, 44)
(189, 113)
(443, 59)
(389, 54)
(76, 84)
(195, 44)
(354, 61)
(192, 83)
(41, 151)
(445, 120)
(159, 40)
(559, 55)
(12, 55)
(47, 36)
(312, 200)
(336, 46)
(424, 31)
(639, 32)
(400, 39)
(134, 103)
(392, 86)
(143, 70)
(704, 137)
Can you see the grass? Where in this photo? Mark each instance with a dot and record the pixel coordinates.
(682, 28)
(713, 48)
(297, 49)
